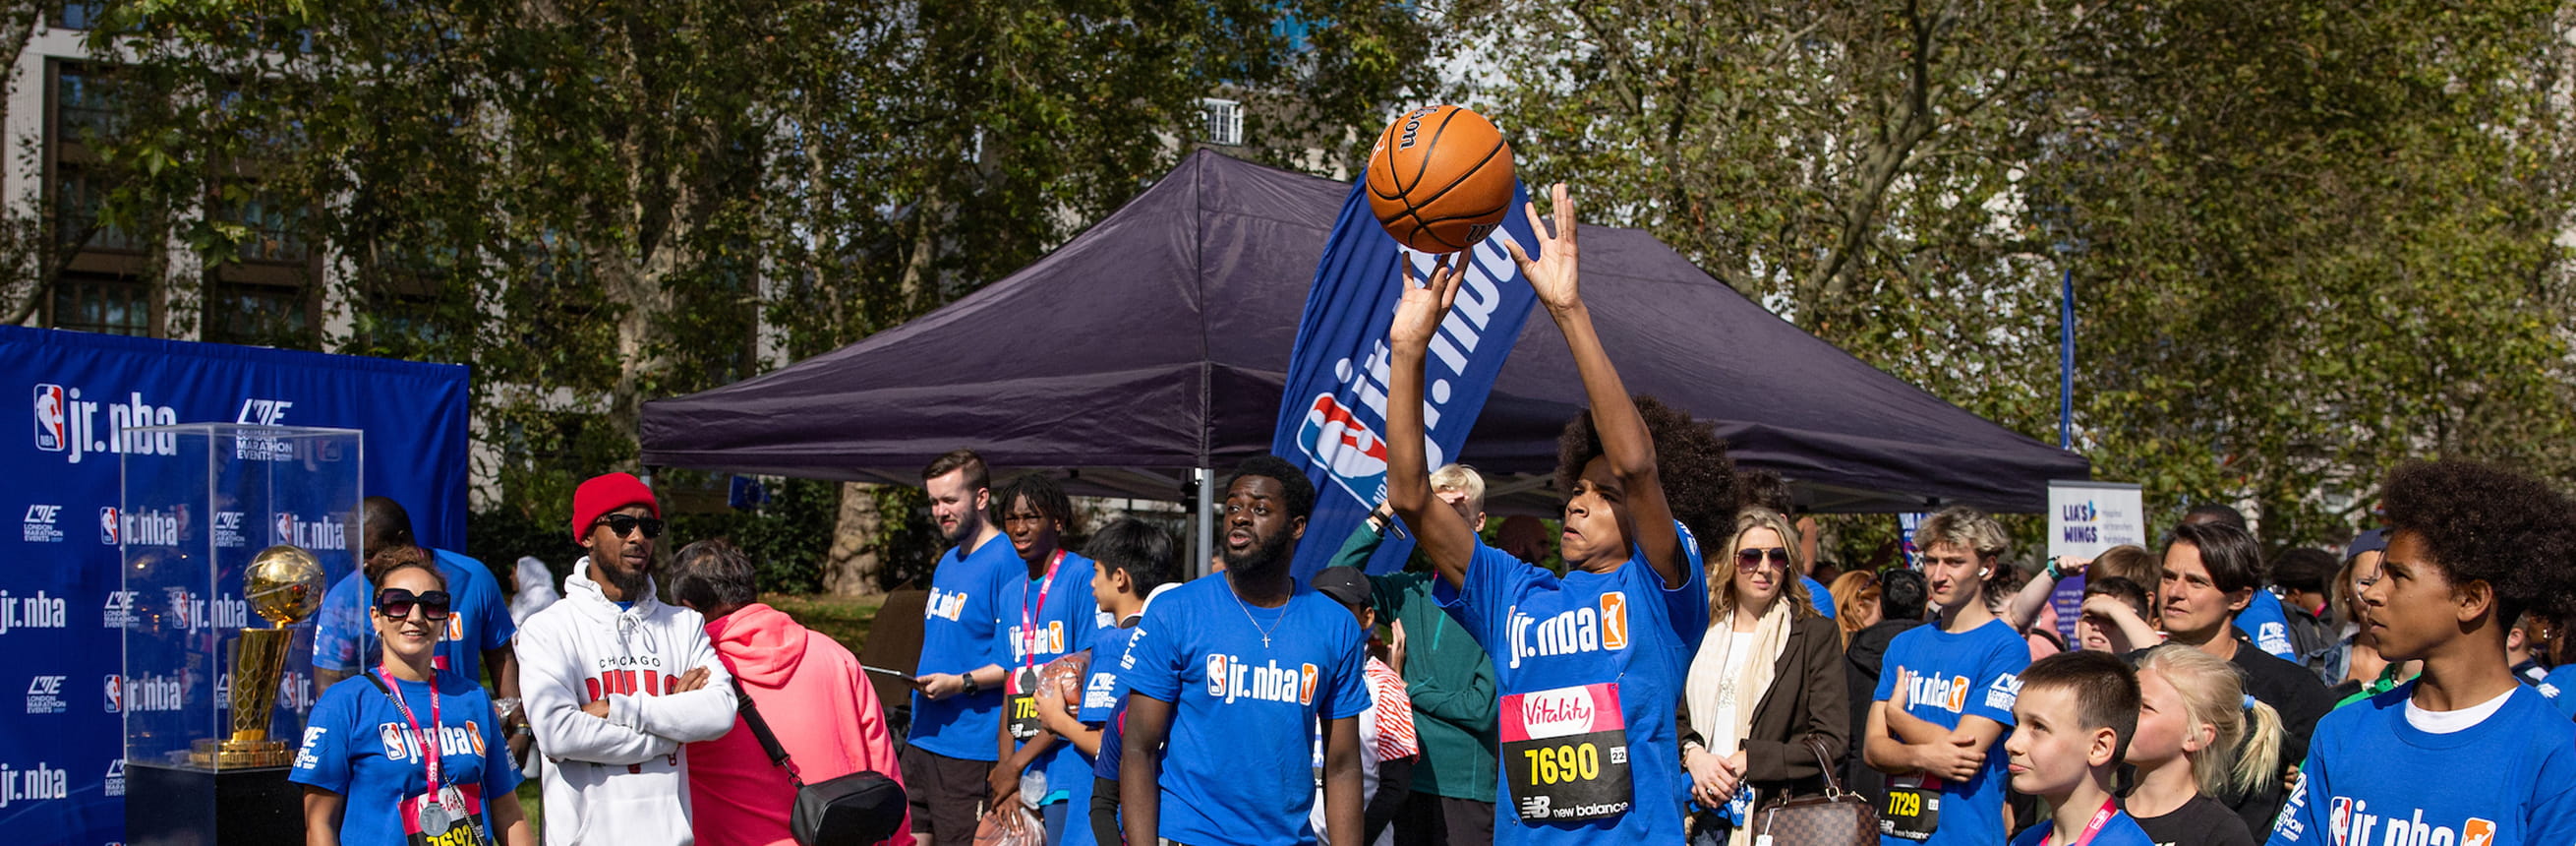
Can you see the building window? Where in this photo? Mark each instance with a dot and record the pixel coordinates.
(1224, 124)
(258, 315)
(82, 105)
(77, 195)
(276, 231)
(74, 14)
(102, 304)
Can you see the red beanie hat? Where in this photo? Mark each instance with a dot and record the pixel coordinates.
(605, 493)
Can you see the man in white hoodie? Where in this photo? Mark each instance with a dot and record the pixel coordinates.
(616, 681)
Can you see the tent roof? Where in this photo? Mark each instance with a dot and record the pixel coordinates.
(1158, 340)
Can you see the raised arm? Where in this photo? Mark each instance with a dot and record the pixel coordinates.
(1625, 443)
(1442, 535)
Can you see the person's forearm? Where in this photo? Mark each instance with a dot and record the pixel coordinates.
(503, 663)
(2025, 603)
(1345, 816)
(1438, 531)
(322, 810)
(1913, 730)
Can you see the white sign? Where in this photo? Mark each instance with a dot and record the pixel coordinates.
(2085, 518)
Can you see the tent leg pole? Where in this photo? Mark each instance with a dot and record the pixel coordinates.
(1205, 520)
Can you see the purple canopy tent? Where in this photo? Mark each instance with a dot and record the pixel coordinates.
(1155, 343)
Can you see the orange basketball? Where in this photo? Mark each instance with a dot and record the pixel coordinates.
(1440, 179)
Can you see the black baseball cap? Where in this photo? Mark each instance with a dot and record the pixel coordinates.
(1346, 585)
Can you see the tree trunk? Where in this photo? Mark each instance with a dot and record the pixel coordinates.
(851, 568)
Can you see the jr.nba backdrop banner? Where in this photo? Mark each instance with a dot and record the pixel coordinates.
(1333, 414)
(62, 774)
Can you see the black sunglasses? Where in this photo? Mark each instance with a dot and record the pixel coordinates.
(396, 603)
(624, 525)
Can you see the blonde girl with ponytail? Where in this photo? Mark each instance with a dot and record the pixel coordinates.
(2199, 738)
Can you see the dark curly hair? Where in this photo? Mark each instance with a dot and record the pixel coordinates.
(1044, 495)
(2487, 524)
(1699, 479)
(1301, 490)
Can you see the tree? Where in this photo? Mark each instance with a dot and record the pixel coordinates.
(2306, 243)
(598, 202)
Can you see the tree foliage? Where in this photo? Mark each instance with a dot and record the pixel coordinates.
(2308, 241)
(597, 202)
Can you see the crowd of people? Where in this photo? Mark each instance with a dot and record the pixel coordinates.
(1616, 681)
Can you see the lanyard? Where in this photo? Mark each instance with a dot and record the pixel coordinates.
(428, 744)
(2101, 817)
(1028, 618)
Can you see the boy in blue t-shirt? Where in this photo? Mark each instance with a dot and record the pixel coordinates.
(2075, 715)
(1590, 664)
(2465, 753)
(1046, 616)
(1945, 695)
(1130, 561)
(1235, 671)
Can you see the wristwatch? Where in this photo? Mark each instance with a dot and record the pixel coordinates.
(971, 687)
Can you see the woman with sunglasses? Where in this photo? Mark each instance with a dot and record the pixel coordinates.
(1766, 680)
(407, 757)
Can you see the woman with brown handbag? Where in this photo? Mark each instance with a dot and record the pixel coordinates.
(1767, 679)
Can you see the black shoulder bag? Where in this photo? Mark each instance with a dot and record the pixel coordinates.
(858, 809)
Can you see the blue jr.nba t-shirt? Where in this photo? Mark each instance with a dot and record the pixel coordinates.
(961, 631)
(1045, 619)
(344, 638)
(1589, 666)
(1949, 677)
(2267, 626)
(2559, 688)
(357, 744)
(1247, 685)
(2372, 777)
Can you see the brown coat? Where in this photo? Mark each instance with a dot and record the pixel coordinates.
(1806, 698)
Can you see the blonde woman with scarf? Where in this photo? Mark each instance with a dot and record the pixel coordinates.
(1768, 676)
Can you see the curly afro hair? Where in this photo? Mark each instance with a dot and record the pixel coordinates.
(2487, 524)
(1699, 479)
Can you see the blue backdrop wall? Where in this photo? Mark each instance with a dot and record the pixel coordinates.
(61, 767)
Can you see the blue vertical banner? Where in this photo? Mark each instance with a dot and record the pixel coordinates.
(64, 603)
(1332, 416)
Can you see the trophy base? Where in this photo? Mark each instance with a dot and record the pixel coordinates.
(184, 806)
(213, 754)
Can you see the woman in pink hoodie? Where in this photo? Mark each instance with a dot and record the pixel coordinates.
(809, 689)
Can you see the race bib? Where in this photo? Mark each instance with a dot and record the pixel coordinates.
(430, 822)
(1565, 754)
(1020, 701)
(1913, 807)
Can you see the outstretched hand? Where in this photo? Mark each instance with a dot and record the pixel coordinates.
(1552, 274)
(1419, 312)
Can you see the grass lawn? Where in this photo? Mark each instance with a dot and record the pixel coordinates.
(844, 619)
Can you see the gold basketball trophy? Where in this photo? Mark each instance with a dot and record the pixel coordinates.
(284, 585)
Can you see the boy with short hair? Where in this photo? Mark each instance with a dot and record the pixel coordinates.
(2075, 715)
(1131, 564)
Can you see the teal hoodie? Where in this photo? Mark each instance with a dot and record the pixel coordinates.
(1448, 676)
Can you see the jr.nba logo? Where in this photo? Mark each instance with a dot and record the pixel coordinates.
(2339, 819)
(49, 418)
(1345, 447)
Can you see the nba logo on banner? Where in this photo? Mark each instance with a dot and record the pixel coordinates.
(1334, 439)
(50, 413)
(1332, 412)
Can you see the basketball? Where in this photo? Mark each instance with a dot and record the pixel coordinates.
(1440, 179)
